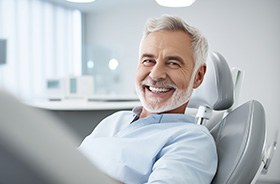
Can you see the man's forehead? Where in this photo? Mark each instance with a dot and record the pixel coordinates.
(170, 42)
(162, 39)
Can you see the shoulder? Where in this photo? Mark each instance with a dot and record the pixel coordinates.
(199, 139)
(196, 136)
(189, 130)
(199, 130)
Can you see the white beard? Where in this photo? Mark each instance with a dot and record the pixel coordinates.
(178, 98)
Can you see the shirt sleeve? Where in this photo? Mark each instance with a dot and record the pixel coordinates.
(188, 158)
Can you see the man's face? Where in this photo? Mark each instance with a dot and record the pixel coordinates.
(163, 79)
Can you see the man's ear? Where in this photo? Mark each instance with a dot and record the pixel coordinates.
(199, 76)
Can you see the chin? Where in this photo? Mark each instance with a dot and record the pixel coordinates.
(154, 106)
(158, 105)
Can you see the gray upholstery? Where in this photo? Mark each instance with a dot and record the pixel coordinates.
(240, 140)
(216, 91)
(240, 135)
(36, 148)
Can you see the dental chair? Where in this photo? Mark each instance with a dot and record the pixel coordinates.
(238, 130)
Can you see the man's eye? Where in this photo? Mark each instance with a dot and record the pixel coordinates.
(174, 65)
(148, 62)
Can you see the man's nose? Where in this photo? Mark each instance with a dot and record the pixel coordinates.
(158, 72)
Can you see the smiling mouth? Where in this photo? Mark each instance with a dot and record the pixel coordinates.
(159, 89)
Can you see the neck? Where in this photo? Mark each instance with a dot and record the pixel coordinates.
(179, 110)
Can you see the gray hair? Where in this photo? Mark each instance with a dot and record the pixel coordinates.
(173, 23)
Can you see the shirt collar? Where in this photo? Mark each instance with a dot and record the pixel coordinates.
(164, 118)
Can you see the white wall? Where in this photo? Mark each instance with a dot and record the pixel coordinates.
(245, 32)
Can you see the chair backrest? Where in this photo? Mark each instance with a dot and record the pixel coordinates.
(240, 134)
(240, 139)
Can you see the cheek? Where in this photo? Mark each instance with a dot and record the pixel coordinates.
(181, 80)
(141, 74)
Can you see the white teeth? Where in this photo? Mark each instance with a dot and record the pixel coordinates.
(158, 90)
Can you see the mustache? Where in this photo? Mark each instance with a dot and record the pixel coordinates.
(163, 83)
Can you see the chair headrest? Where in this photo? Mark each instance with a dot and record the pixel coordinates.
(217, 89)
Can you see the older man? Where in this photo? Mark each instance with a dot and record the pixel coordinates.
(158, 143)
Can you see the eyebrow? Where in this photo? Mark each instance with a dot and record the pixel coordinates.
(147, 55)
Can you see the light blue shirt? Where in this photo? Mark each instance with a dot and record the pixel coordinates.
(161, 148)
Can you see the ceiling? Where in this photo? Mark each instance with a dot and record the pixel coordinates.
(97, 5)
